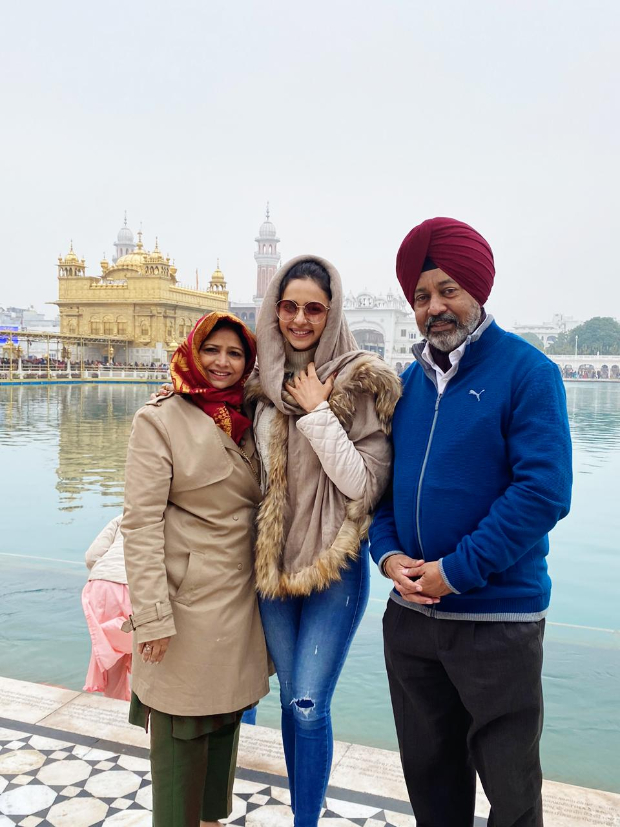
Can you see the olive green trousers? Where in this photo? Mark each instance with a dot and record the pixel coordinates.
(193, 769)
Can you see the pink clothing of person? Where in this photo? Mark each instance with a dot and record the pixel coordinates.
(106, 607)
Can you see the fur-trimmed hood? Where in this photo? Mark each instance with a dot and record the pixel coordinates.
(364, 374)
(307, 529)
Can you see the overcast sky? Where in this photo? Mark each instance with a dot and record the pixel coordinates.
(356, 121)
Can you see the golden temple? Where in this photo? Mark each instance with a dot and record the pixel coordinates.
(137, 297)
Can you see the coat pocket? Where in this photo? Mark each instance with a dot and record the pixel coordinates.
(195, 579)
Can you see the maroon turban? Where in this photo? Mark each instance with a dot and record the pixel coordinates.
(455, 248)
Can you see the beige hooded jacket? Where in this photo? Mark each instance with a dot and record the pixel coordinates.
(308, 529)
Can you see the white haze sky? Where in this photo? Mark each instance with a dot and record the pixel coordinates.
(356, 121)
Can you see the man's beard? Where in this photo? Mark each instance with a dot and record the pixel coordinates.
(449, 340)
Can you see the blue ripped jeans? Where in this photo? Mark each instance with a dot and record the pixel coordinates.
(308, 639)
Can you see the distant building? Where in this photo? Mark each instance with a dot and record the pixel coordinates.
(547, 332)
(138, 296)
(247, 312)
(27, 318)
(384, 325)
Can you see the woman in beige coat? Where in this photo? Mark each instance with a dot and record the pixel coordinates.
(191, 494)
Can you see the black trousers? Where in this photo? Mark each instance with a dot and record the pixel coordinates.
(467, 697)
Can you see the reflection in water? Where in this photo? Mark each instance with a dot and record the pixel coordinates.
(94, 430)
(90, 426)
(62, 451)
(594, 414)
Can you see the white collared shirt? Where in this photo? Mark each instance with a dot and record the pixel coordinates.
(455, 356)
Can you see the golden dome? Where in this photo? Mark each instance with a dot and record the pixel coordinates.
(136, 259)
(132, 260)
(156, 254)
(71, 256)
(218, 277)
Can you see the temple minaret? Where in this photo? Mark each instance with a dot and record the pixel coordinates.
(267, 256)
(124, 244)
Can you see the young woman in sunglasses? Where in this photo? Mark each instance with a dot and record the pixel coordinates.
(322, 410)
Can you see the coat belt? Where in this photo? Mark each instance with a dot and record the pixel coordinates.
(158, 612)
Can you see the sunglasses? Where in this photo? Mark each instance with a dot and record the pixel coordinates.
(314, 312)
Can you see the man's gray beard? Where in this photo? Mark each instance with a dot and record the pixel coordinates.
(447, 340)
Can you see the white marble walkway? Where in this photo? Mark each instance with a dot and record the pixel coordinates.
(69, 759)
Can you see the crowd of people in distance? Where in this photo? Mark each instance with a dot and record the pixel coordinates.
(589, 373)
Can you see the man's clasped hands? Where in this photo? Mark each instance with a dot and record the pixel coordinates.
(428, 587)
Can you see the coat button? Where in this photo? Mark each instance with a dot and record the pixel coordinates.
(239, 566)
(235, 517)
(242, 443)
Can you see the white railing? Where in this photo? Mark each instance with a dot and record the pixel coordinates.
(76, 372)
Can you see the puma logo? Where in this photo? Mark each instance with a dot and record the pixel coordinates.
(478, 394)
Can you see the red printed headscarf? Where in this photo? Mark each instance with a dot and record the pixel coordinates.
(188, 376)
(454, 247)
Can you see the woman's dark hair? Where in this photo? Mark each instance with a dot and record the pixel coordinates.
(308, 270)
(226, 324)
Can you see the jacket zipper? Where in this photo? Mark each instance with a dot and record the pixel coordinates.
(422, 472)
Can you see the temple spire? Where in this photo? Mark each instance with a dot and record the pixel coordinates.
(267, 255)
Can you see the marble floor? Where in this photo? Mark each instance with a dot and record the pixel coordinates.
(53, 781)
(69, 759)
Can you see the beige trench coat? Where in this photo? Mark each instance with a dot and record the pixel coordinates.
(190, 504)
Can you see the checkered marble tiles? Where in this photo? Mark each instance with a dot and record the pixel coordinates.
(51, 781)
(48, 781)
(106, 781)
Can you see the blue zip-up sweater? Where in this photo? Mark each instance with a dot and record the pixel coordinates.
(482, 473)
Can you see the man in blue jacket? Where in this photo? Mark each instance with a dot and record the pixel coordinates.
(482, 473)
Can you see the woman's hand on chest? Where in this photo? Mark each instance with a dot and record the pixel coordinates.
(308, 390)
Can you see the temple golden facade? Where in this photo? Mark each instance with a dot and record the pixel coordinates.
(136, 296)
